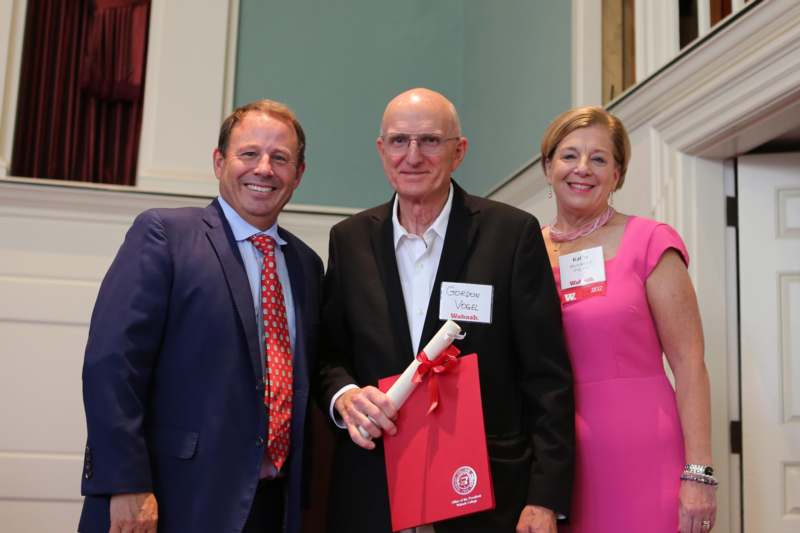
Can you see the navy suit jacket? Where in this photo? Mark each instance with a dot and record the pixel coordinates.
(172, 378)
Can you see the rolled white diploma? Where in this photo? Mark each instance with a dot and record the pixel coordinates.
(404, 386)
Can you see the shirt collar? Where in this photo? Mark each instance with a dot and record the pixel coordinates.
(439, 225)
(242, 229)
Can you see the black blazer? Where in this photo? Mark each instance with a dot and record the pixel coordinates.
(526, 380)
(173, 379)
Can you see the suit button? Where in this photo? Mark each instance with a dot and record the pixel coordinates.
(260, 441)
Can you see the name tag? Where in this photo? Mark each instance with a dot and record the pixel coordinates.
(466, 302)
(583, 274)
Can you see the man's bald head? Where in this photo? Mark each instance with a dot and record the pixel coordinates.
(421, 146)
(423, 102)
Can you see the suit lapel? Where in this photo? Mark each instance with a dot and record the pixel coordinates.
(228, 254)
(461, 232)
(383, 248)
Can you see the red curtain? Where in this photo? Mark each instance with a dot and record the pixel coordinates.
(79, 106)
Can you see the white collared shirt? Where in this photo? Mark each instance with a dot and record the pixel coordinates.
(417, 263)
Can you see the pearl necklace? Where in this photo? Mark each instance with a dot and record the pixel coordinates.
(588, 228)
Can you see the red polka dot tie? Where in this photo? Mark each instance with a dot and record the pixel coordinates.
(278, 352)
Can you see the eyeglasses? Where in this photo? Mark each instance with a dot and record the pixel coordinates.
(427, 143)
(277, 160)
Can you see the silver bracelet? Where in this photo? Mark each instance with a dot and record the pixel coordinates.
(699, 478)
(692, 468)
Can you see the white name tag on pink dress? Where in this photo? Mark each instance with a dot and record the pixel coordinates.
(466, 302)
(583, 274)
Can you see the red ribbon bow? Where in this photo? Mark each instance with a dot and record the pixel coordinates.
(446, 360)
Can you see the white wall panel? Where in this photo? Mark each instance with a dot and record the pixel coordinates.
(41, 388)
(587, 60)
(789, 213)
(47, 300)
(791, 485)
(41, 477)
(186, 95)
(39, 516)
(789, 321)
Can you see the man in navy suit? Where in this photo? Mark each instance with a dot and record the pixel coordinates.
(174, 373)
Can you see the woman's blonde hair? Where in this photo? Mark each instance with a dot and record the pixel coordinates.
(583, 117)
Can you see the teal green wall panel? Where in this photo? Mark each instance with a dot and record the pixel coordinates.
(337, 63)
(505, 64)
(517, 77)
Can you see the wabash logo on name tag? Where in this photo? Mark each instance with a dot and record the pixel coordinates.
(581, 293)
(466, 302)
(583, 275)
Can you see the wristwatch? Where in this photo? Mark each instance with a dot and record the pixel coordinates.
(705, 470)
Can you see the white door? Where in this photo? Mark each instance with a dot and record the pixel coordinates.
(769, 289)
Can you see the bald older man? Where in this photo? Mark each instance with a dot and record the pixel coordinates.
(381, 305)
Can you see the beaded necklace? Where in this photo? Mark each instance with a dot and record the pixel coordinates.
(588, 228)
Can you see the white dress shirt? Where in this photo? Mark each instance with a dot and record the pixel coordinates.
(417, 262)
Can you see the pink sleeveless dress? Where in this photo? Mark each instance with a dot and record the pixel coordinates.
(629, 440)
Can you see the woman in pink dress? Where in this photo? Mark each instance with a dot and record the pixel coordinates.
(644, 453)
